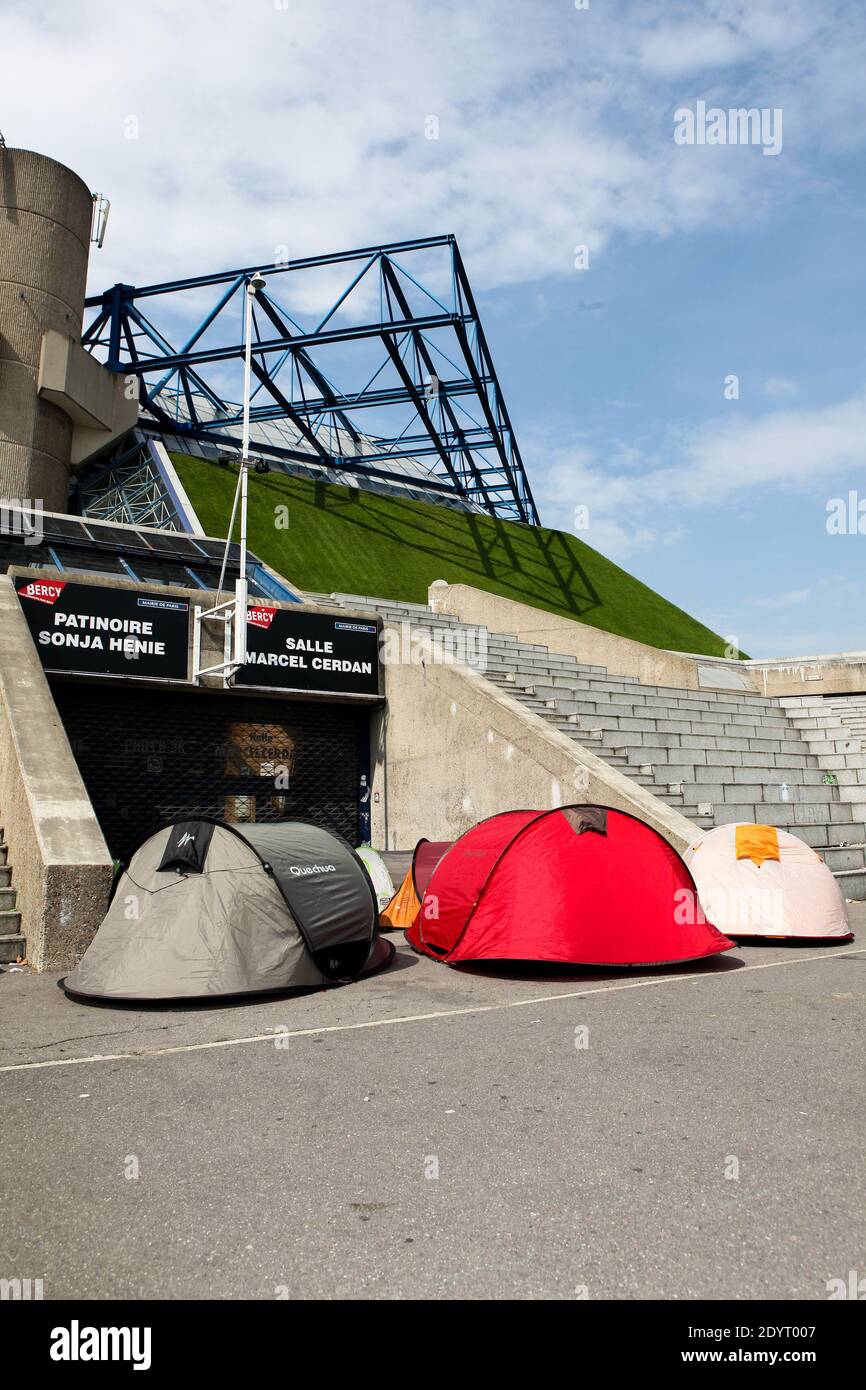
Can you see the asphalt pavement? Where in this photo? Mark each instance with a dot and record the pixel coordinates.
(434, 1133)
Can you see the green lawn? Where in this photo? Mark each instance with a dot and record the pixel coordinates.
(343, 539)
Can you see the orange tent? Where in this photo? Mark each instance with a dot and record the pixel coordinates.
(403, 907)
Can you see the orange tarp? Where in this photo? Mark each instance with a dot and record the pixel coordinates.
(757, 842)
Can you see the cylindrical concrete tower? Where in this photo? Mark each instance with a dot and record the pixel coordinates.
(45, 218)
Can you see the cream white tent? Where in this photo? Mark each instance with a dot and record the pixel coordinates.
(378, 871)
(756, 881)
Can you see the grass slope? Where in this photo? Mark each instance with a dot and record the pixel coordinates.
(343, 539)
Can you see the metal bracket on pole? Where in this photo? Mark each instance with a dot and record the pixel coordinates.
(227, 614)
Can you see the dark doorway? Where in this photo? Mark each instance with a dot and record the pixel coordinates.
(148, 757)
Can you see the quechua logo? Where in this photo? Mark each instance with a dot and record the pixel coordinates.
(43, 590)
(260, 617)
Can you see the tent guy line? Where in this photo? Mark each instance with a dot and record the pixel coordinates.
(146, 1052)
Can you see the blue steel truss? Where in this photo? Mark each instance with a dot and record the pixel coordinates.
(395, 381)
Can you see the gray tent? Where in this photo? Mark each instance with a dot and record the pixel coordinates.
(210, 909)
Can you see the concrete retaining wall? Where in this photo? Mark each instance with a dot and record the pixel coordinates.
(809, 676)
(452, 749)
(589, 645)
(817, 675)
(60, 862)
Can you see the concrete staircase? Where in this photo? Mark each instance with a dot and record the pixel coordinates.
(833, 727)
(12, 943)
(717, 756)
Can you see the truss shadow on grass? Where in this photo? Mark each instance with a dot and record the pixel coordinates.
(351, 540)
(528, 563)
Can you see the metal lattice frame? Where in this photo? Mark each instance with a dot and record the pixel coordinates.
(420, 399)
(130, 488)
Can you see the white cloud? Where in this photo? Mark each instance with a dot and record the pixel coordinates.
(724, 34)
(692, 47)
(715, 465)
(781, 601)
(304, 126)
(789, 449)
(779, 386)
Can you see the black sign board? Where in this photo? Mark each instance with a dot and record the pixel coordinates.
(310, 651)
(95, 630)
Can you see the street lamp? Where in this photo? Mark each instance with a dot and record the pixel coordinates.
(255, 283)
(234, 611)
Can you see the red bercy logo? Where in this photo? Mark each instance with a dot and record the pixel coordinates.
(260, 617)
(43, 590)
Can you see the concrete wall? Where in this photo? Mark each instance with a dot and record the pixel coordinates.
(60, 862)
(620, 655)
(102, 405)
(841, 674)
(451, 749)
(45, 217)
(818, 675)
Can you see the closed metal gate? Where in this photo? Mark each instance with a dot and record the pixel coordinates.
(149, 756)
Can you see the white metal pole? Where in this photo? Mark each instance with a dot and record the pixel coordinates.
(240, 635)
(248, 358)
(229, 539)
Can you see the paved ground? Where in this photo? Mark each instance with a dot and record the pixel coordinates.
(309, 1165)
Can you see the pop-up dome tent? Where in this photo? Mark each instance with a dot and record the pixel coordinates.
(584, 885)
(210, 909)
(379, 875)
(757, 881)
(402, 910)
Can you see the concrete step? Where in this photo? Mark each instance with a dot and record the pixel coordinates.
(13, 945)
(622, 690)
(5, 876)
(787, 815)
(3, 854)
(844, 860)
(823, 837)
(739, 753)
(852, 884)
(7, 900)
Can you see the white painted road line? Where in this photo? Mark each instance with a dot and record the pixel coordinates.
(139, 1053)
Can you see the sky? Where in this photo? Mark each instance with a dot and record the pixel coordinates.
(694, 378)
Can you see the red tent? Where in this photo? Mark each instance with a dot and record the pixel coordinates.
(581, 884)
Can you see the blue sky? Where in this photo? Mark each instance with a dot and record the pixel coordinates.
(220, 130)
